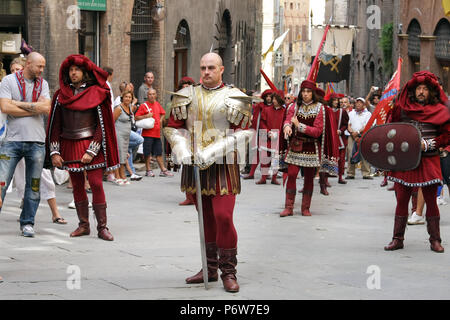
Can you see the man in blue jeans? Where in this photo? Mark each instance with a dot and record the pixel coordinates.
(25, 98)
(135, 141)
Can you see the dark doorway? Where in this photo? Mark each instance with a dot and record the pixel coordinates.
(138, 63)
(181, 48)
(180, 67)
(141, 33)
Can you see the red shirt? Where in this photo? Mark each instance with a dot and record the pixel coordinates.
(157, 111)
(272, 118)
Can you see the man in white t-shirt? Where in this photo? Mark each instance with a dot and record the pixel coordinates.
(358, 119)
(25, 98)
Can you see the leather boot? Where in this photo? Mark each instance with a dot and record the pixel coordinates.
(399, 234)
(306, 203)
(227, 264)
(341, 180)
(212, 263)
(289, 203)
(328, 185)
(189, 200)
(83, 215)
(323, 184)
(435, 234)
(100, 215)
(262, 180)
(274, 180)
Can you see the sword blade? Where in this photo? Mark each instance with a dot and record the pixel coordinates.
(201, 225)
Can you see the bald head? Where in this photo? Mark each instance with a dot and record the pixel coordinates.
(34, 56)
(34, 66)
(213, 57)
(211, 70)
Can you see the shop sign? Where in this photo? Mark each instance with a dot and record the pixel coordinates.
(92, 5)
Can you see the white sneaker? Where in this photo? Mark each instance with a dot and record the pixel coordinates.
(135, 177)
(416, 219)
(72, 205)
(441, 201)
(27, 230)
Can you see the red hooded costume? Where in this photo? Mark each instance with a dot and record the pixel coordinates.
(81, 122)
(433, 120)
(437, 115)
(94, 97)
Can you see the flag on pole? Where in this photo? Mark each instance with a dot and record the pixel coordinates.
(329, 89)
(334, 53)
(275, 45)
(390, 91)
(316, 62)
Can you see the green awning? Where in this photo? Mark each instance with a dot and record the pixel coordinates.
(93, 5)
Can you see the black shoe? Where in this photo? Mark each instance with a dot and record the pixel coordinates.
(368, 178)
(349, 177)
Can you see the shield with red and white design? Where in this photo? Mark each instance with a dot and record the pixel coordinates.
(393, 147)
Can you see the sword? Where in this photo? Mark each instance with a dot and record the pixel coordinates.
(201, 225)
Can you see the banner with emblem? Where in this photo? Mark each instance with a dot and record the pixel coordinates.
(336, 53)
(390, 91)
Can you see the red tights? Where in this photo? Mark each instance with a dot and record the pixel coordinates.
(218, 220)
(403, 194)
(308, 174)
(95, 178)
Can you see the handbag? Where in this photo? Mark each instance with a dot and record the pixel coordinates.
(147, 123)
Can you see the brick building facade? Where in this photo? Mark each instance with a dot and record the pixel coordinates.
(122, 34)
(424, 40)
(231, 28)
(369, 66)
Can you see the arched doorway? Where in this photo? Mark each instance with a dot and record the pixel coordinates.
(225, 46)
(181, 48)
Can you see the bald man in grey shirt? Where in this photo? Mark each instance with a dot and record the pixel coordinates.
(25, 98)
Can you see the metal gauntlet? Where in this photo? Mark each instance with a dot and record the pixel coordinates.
(215, 152)
(181, 145)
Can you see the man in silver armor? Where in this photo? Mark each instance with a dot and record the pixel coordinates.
(208, 128)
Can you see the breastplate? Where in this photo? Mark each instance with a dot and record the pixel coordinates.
(208, 111)
(78, 124)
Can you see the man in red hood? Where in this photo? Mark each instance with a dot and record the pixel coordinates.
(421, 103)
(310, 133)
(81, 136)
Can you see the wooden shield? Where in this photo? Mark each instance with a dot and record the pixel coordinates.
(393, 147)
